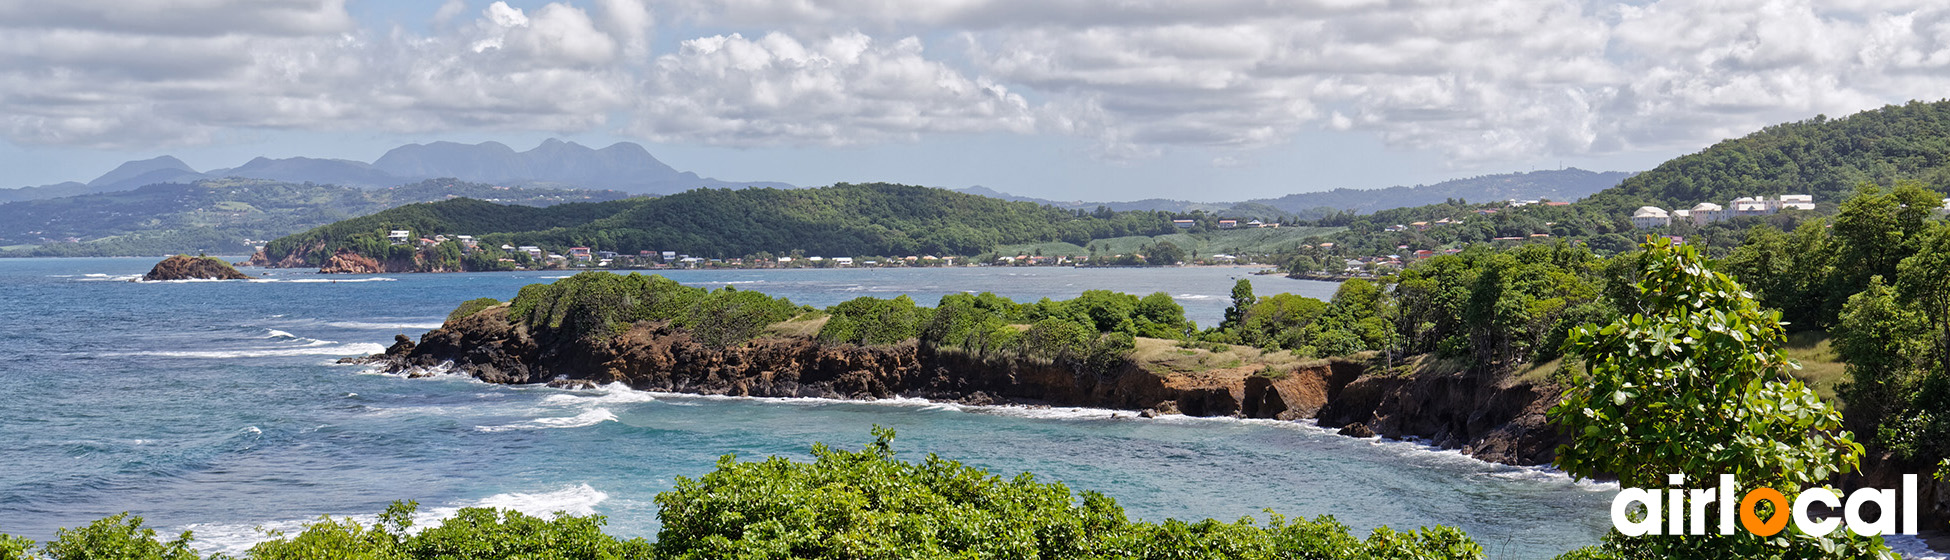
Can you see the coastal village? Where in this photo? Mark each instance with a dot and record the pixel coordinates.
(1334, 261)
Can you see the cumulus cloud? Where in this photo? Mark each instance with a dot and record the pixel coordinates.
(192, 17)
(844, 89)
(1477, 80)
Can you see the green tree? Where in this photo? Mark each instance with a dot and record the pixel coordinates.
(1879, 341)
(1242, 301)
(1696, 384)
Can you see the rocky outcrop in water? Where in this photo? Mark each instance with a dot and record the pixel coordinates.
(348, 262)
(185, 267)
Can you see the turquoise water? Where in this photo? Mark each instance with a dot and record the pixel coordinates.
(214, 406)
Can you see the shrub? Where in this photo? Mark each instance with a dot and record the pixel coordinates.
(118, 537)
(470, 307)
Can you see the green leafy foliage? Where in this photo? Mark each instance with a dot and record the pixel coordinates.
(594, 305)
(874, 321)
(840, 505)
(868, 504)
(1695, 383)
(118, 537)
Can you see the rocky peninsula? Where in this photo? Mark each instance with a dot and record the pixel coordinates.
(185, 267)
(1485, 416)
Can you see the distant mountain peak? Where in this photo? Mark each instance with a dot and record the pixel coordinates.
(133, 169)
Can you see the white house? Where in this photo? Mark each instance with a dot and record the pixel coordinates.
(1796, 202)
(399, 236)
(843, 261)
(1751, 206)
(1707, 212)
(1650, 217)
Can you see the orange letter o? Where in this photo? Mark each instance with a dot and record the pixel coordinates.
(1752, 521)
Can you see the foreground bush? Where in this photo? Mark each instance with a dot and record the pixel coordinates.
(860, 504)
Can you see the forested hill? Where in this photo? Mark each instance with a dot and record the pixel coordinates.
(1821, 156)
(843, 219)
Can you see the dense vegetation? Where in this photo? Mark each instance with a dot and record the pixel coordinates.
(841, 220)
(596, 305)
(841, 505)
(221, 216)
(1820, 156)
(1694, 383)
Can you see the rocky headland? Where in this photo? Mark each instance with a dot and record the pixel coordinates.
(1483, 415)
(185, 267)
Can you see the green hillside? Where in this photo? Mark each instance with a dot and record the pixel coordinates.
(843, 219)
(1821, 156)
(224, 216)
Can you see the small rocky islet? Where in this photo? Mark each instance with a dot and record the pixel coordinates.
(185, 267)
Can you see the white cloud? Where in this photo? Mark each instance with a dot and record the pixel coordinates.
(449, 10)
(844, 89)
(1477, 80)
(180, 17)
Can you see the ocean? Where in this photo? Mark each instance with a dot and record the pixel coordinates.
(216, 407)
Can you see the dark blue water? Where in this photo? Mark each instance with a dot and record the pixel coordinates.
(215, 406)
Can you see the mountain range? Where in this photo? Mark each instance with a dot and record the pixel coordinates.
(623, 166)
(1557, 184)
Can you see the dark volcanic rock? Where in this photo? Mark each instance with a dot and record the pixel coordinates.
(1480, 413)
(1358, 430)
(185, 267)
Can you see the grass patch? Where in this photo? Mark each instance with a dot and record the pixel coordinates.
(1163, 356)
(1536, 374)
(803, 326)
(1820, 368)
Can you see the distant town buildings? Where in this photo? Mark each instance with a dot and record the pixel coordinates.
(1650, 217)
(1706, 212)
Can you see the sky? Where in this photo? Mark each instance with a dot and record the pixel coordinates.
(1213, 100)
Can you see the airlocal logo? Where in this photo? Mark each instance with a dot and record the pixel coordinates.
(1676, 500)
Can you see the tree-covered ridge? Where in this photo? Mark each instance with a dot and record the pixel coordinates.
(843, 219)
(840, 220)
(1820, 156)
(222, 216)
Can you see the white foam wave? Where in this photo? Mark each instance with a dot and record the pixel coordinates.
(274, 333)
(108, 278)
(235, 539)
(375, 326)
(326, 349)
(1195, 296)
(139, 280)
(614, 393)
(589, 417)
(339, 280)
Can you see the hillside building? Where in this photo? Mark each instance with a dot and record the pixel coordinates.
(1648, 217)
